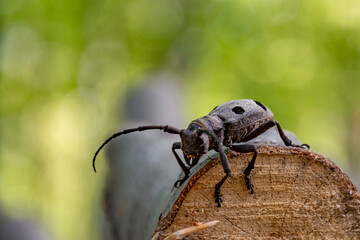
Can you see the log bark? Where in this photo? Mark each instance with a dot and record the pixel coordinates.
(298, 194)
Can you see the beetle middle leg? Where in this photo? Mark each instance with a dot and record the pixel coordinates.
(218, 194)
(246, 148)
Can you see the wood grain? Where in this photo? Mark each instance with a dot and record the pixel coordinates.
(298, 194)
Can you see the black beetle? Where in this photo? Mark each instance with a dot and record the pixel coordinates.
(231, 122)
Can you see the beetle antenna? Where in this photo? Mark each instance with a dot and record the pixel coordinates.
(166, 128)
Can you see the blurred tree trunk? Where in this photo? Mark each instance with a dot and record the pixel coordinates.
(142, 168)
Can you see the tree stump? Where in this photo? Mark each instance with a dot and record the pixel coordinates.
(298, 194)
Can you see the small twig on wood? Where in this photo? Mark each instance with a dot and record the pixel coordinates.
(187, 231)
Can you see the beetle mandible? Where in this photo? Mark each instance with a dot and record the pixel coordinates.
(232, 122)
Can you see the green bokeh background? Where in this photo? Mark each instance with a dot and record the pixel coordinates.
(66, 65)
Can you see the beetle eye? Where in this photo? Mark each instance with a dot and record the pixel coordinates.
(260, 104)
(238, 110)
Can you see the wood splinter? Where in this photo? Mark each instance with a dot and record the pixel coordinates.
(187, 231)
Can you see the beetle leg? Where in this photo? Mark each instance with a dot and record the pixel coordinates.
(186, 170)
(286, 140)
(246, 148)
(227, 170)
(224, 162)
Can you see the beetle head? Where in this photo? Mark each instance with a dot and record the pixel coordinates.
(193, 144)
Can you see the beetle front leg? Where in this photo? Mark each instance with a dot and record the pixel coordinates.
(186, 170)
(286, 140)
(246, 149)
(224, 162)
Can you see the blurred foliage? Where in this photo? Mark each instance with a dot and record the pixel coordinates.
(65, 65)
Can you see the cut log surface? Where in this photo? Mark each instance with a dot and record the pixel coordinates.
(298, 194)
